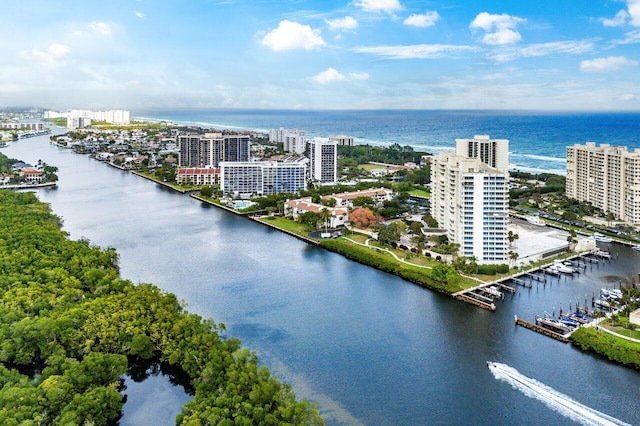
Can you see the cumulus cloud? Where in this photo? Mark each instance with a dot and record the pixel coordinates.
(500, 29)
(387, 6)
(634, 11)
(327, 76)
(416, 51)
(359, 76)
(612, 63)
(342, 24)
(427, 19)
(618, 20)
(101, 28)
(53, 53)
(292, 35)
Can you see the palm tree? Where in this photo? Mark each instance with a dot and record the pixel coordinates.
(610, 217)
(325, 215)
(513, 256)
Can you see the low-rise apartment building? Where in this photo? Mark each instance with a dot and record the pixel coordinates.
(198, 176)
(378, 195)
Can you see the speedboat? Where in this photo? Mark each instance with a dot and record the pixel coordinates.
(636, 247)
(601, 238)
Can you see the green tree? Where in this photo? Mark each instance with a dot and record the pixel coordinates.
(389, 234)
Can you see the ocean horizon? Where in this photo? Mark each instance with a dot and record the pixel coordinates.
(537, 139)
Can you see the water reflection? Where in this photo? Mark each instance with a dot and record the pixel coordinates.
(154, 393)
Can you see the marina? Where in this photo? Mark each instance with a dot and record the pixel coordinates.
(561, 326)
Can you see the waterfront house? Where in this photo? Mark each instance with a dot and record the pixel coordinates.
(294, 208)
(32, 175)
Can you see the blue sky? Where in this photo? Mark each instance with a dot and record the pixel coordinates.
(363, 54)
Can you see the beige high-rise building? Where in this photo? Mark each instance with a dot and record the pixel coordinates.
(606, 176)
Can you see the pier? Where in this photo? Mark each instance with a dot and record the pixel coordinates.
(476, 302)
(535, 277)
(542, 330)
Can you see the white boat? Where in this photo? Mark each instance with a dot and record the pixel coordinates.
(560, 267)
(535, 220)
(636, 247)
(601, 238)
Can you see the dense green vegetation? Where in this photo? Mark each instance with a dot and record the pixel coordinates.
(441, 277)
(6, 163)
(392, 154)
(66, 315)
(607, 345)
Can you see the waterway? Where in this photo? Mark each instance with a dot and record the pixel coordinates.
(368, 347)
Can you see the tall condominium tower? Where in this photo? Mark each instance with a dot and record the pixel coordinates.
(606, 176)
(212, 148)
(492, 152)
(323, 164)
(470, 198)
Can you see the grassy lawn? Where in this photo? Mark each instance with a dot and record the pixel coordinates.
(286, 224)
(171, 184)
(369, 167)
(620, 328)
(420, 193)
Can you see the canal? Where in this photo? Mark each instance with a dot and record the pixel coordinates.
(368, 347)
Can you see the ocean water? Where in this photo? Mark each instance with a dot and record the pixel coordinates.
(537, 140)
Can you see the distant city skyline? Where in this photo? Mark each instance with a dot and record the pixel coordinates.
(297, 54)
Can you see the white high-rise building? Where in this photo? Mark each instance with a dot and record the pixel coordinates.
(492, 152)
(262, 177)
(323, 164)
(606, 176)
(293, 140)
(471, 201)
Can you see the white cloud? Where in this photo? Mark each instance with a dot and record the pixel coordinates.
(292, 35)
(631, 37)
(140, 15)
(500, 29)
(387, 6)
(542, 49)
(53, 53)
(634, 12)
(359, 76)
(616, 21)
(101, 28)
(328, 76)
(627, 97)
(612, 63)
(416, 51)
(427, 19)
(342, 24)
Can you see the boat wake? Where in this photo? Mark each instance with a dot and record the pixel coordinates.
(551, 397)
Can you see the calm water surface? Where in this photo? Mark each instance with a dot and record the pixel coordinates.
(369, 348)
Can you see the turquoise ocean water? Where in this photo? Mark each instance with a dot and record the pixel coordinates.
(538, 140)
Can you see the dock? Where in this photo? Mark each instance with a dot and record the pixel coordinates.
(542, 330)
(476, 302)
